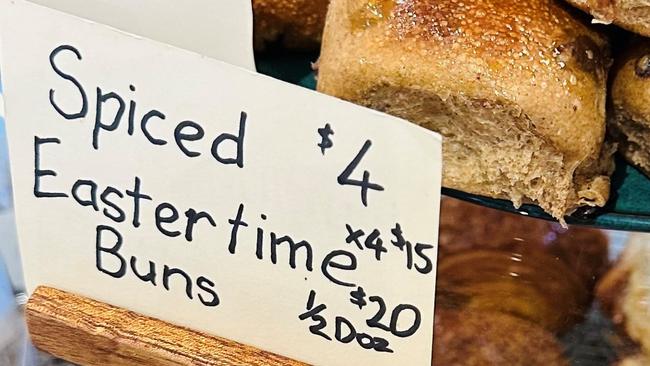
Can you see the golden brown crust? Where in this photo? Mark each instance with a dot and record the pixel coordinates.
(528, 57)
(514, 48)
(633, 15)
(629, 116)
(298, 23)
(471, 338)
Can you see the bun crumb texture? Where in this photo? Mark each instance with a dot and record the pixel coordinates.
(516, 88)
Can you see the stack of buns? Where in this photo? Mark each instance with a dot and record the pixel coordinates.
(517, 88)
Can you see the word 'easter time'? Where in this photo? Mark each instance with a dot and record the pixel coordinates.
(126, 205)
(131, 205)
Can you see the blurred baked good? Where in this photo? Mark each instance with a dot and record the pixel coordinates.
(636, 360)
(295, 23)
(629, 117)
(466, 226)
(530, 268)
(633, 15)
(536, 287)
(517, 88)
(624, 293)
(470, 338)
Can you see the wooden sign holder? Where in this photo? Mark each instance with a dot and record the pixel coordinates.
(89, 332)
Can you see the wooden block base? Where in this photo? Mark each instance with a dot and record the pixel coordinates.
(88, 332)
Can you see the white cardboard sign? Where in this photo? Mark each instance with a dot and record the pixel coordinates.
(220, 29)
(200, 193)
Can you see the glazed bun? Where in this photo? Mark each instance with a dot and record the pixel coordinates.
(295, 23)
(633, 15)
(629, 115)
(517, 88)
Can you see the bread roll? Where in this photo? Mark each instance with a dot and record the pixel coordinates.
(464, 338)
(517, 88)
(297, 23)
(624, 293)
(629, 119)
(633, 15)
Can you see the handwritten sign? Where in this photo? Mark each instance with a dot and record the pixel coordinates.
(220, 29)
(215, 198)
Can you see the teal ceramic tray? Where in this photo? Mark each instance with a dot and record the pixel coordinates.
(627, 210)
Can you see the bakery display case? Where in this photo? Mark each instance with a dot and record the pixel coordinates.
(544, 242)
(513, 288)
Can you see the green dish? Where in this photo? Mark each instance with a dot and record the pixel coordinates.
(628, 208)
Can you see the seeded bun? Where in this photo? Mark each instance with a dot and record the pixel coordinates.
(517, 88)
(629, 119)
(633, 15)
(296, 23)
